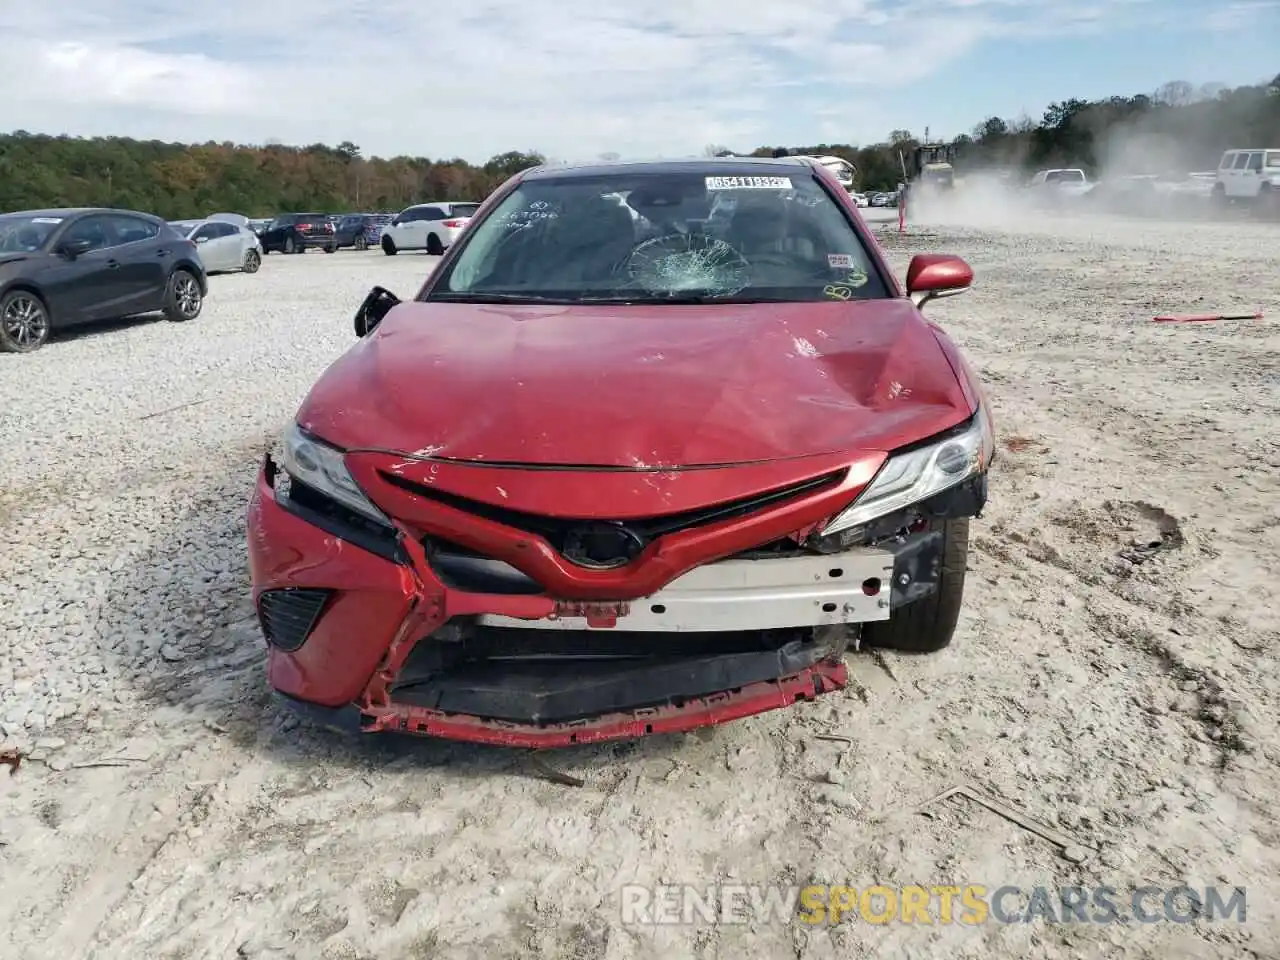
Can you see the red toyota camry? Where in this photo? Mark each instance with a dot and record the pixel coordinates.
(651, 449)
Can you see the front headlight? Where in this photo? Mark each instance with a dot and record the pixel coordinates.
(322, 467)
(910, 477)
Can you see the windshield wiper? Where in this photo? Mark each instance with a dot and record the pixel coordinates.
(691, 298)
(497, 298)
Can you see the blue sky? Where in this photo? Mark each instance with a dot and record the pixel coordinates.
(1008, 78)
(577, 78)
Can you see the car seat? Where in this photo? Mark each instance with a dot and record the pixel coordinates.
(758, 226)
(590, 241)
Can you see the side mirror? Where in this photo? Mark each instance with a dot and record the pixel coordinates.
(374, 307)
(937, 275)
(202, 239)
(75, 248)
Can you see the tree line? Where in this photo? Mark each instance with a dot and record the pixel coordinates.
(1177, 128)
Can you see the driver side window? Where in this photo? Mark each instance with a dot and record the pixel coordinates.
(93, 228)
(207, 232)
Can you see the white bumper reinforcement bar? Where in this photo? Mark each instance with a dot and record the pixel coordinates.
(850, 587)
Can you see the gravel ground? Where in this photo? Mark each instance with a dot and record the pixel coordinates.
(1133, 702)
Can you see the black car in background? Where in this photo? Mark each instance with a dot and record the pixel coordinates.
(61, 268)
(298, 232)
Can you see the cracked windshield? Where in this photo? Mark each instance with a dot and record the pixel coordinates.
(664, 238)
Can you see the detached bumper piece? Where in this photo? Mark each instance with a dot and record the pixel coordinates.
(535, 678)
(689, 715)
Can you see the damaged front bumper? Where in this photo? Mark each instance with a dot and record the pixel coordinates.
(371, 631)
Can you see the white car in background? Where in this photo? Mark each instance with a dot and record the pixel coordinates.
(1069, 182)
(222, 245)
(432, 227)
(860, 199)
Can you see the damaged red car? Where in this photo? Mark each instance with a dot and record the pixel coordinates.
(653, 447)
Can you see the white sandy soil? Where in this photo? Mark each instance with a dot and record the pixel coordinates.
(1133, 705)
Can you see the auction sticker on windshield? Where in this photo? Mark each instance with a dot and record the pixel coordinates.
(748, 183)
(840, 261)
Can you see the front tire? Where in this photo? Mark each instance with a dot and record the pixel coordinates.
(434, 246)
(183, 300)
(252, 261)
(24, 322)
(928, 625)
(389, 247)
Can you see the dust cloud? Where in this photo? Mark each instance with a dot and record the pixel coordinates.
(1144, 169)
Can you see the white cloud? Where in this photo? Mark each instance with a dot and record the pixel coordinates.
(572, 78)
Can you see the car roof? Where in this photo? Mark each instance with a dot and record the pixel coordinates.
(707, 166)
(66, 212)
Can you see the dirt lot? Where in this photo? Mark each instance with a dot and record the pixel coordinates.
(1134, 703)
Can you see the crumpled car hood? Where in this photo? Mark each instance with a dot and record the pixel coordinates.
(639, 386)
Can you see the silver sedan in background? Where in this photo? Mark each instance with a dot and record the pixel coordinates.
(223, 246)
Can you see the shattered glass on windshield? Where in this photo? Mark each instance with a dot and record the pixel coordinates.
(679, 264)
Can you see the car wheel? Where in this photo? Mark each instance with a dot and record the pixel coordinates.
(183, 300)
(389, 247)
(252, 261)
(928, 625)
(24, 322)
(290, 245)
(331, 248)
(362, 243)
(434, 246)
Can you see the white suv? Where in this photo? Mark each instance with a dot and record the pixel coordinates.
(1252, 176)
(432, 227)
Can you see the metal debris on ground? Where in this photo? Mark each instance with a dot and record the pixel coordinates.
(106, 762)
(181, 406)
(832, 737)
(1205, 317)
(1142, 552)
(1069, 849)
(552, 774)
(1018, 444)
(12, 759)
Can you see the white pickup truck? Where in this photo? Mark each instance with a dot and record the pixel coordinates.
(1064, 182)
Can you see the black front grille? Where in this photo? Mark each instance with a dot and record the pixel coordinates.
(555, 529)
(288, 615)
